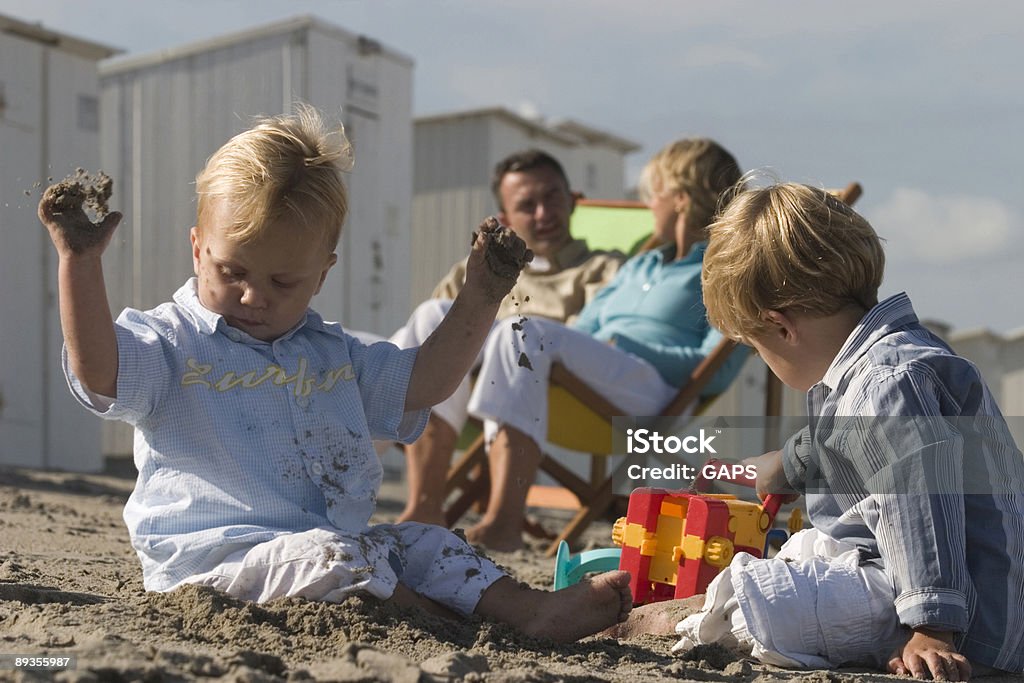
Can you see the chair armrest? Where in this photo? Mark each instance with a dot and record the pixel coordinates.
(700, 377)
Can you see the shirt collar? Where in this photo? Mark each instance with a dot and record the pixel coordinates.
(569, 255)
(696, 254)
(208, 322)
(667, 252)
(187, 296)
(886, 317)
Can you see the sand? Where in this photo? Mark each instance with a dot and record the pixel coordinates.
(506, 254)
(83, 188)
(78, 205)
(70, 584)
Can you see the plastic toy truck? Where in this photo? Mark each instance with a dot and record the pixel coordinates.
(675, 542)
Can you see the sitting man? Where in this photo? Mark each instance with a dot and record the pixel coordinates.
(534, 200)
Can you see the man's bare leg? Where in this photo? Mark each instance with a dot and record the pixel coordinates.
(513, 458)
(427, 461)
(565, 615)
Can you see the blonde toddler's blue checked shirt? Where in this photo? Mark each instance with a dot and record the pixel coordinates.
(908, 456)
(238, 441)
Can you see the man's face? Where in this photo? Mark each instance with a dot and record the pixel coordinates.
(262, 287)
(536, 205)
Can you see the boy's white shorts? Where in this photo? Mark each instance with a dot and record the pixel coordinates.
(814, 605)
(329, 564)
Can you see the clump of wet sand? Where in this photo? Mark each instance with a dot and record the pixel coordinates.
(506, 253)
(79, 204)
(517, 326)
(82, 188)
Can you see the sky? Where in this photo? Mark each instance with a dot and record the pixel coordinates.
(921, 101)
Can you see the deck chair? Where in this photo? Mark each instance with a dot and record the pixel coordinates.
(612, 225)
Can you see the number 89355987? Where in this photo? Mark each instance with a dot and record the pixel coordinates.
(36, 662)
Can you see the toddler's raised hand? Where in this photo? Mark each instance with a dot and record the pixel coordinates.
(61, 211)
(496, 259)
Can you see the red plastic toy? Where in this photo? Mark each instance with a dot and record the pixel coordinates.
(675, 542)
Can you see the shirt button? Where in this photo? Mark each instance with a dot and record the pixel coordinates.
(302, 401)
(646, 287)
(318, 469)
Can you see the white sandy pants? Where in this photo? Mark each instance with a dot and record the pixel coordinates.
(329, 564)
(814, 605)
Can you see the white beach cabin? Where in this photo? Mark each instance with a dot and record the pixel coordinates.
(49, 124)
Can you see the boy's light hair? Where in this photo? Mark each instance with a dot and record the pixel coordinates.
(285, 166)
(788, 247)
(701, 168)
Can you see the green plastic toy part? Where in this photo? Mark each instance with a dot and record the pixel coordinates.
(569, 568)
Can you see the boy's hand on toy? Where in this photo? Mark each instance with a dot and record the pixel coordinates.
(930, 654)
(771, 477)
(71, 231)
(495, 261)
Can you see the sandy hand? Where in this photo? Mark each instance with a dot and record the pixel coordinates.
(497, 258)
(63, 211)
(930, 654)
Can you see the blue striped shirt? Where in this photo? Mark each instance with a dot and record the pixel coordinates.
(238, 440)
(931, 486)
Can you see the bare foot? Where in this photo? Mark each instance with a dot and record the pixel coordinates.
(493, 537)
(583, 609)
(565, 615)
(656, 618)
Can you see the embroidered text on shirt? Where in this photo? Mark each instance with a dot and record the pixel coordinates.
(302, 384)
